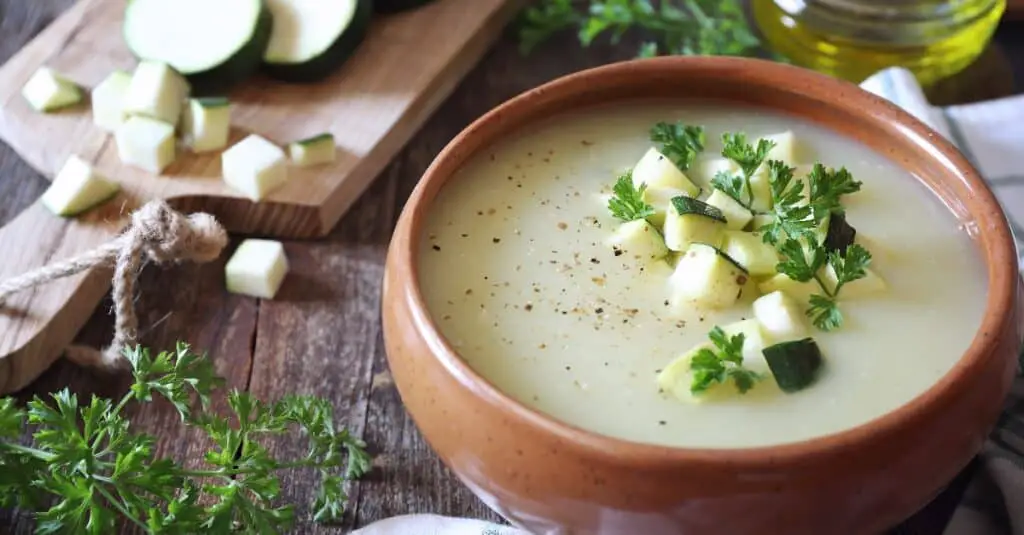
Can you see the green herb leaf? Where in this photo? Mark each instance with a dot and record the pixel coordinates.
(627, 202)
(702, 27)
(679, 142)
(799, 263)
(824, 312)
(790, 217)
(721, 364)
(827, 186)
(824, 309)
(749, 157)
(731, 185)
(102, 473)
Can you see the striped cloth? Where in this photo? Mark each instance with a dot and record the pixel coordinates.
(991, 135)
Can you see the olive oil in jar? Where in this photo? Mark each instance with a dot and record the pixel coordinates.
(853, 39)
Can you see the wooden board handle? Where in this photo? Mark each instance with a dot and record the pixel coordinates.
(33, 337)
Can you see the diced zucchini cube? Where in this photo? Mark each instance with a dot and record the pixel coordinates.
(800, 291)
(870, 284)
(759, 221)
(206, 124)
(781, 317)
(661, 200)
(785, 147)
(77, 187)
(255, 167)
(108, 101)
(753, 343)
(156, 91)
(315, 150)
(657, 171)
(146, 143)
(683, 230)
(706, 169)
(762, 189)
(676, 378)
(640, 240)
(48, 91)
(705, 278)
(257, 268)
(736, 215)
(750, 251)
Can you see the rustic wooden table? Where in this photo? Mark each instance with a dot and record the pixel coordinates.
(322, 335)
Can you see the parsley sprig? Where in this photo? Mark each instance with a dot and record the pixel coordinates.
(749, 158)
(722, 363)
(794, 233)
(679, 142)
(627, 201)
(700, 27)
(99, 471)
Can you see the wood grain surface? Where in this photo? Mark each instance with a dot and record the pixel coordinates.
(405, 68)
(322, 335)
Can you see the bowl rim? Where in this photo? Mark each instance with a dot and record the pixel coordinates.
(999, 260)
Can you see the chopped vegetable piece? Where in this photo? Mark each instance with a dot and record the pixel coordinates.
(846, 269)
(750, 251)
(707, 169)
(638, 239)
(794, 364)
(257, 268)
(736, 215)
(785, 149)
(676, 379)
(213, 44)
(722, 363)
(705, 277)
(749, 159)
(657, 171)
(146, 143)
(801, 291)
(753, 343)
(760, 221)
(255, 167)
(311, 39)
(315, 150)
(156, 91)
(207, 124)
(660, 201)
(48, 91)
(840, 234)
(108, 101)
(780, 316)
(77, 188)
(692, 221)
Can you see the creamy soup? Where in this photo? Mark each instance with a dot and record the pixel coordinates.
(518, 275)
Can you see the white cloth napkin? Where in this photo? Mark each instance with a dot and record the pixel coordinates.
(991, 135)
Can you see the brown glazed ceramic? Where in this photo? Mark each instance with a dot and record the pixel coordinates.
(550, 477)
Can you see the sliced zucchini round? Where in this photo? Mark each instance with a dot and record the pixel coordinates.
(213, 44)
(394, 6)
(312, 38)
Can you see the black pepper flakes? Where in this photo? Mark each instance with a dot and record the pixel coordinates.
(594, 261)
(496, 240)
(599, 310)
(528, 307)
(662, 422)
(618, 252)
(436, 247)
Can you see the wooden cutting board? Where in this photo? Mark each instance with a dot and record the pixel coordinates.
(407, 66)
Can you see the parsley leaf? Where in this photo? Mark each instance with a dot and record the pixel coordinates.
(827, 186)
(627, 202)
(749, 159)
(679, 142)
(100, 472)
(701, 27)
(790, 217)
(824, 309)
(729, 184)
(721, 364)
(795, 263)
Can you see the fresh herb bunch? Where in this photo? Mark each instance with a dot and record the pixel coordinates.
(686, 27)
(722, 363)
(794, 233)
(679, 142)
(87, 470)
(627, 201)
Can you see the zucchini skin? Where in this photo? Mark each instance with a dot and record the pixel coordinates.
(394, 6)
(328, 62)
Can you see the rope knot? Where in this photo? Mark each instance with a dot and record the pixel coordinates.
(169, 236)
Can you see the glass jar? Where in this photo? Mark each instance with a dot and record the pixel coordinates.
(853, 39)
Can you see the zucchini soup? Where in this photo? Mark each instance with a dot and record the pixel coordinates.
(698, 275)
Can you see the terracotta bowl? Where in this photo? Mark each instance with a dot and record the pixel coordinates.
(550, 477)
